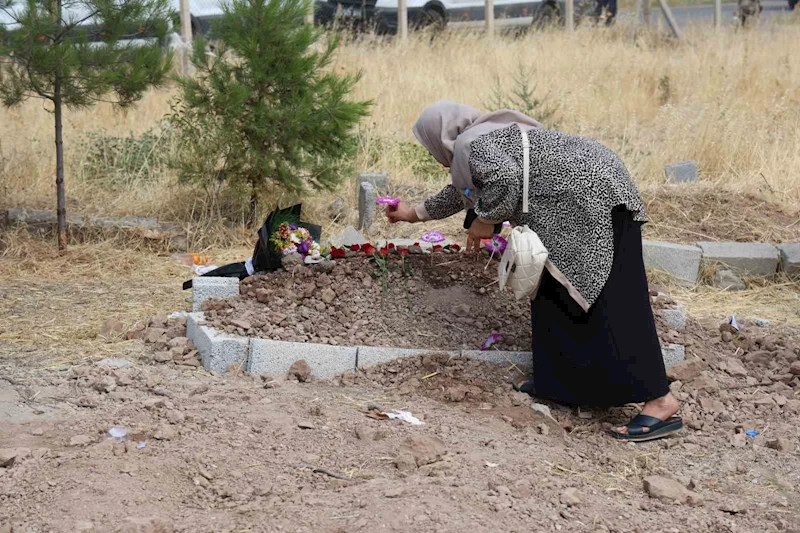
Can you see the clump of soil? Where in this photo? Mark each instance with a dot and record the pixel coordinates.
(447, 302)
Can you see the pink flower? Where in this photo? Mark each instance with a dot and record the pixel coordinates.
(387, 200)
(433, 236)
(496, 244)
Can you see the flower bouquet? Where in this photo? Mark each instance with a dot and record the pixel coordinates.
(291, 239)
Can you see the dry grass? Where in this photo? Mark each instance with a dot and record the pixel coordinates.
(727, 100)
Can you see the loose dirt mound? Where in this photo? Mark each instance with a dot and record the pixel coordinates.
(233, 453)
(448, 302)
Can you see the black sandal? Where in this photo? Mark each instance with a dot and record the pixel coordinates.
(524, 384)
(656, 428)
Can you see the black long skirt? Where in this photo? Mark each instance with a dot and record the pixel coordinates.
(611, 355)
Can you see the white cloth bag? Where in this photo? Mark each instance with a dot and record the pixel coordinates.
(524, 259)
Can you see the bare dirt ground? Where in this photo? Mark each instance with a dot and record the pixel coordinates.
(237, 453)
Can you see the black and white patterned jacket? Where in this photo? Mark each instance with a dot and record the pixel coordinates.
(575, 182)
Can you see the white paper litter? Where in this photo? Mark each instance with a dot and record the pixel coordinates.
(405, 416)
(202, 269)
(733, 323)
(178, 314)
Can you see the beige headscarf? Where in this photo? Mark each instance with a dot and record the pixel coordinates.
(446, 129)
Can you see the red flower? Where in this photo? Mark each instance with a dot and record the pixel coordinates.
(391, 246)
(368, 249)
(437, 247)
(384, 251)
(337, 252)
(354, 248)
(402, 251)
(455, 247)
(416, 244)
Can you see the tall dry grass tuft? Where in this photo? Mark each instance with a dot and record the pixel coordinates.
(729, 100)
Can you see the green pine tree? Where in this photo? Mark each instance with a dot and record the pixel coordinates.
(264, 109)
(75, 53)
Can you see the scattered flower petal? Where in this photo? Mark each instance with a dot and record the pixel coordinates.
(492, 339)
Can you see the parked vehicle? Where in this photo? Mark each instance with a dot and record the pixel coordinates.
(382, 14)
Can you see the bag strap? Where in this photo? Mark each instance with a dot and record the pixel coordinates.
(526, 157)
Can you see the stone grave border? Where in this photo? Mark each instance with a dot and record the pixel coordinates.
(219, 350)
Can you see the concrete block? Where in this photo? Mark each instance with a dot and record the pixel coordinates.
(367, 194)
(727, 280)
(676, 317)
(684, 172)
(673, 354)
(680, 261)
(205, 287)
(375, 355)
(522, 359)
(379, 180)
(217, 350)
(790, 258)
(753, 258)
(275, 357)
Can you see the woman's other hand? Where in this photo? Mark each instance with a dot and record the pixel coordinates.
(477, 231)
(401, 213)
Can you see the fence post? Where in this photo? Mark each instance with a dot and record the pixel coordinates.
(489, 16)
(402, 19)
(569, 15)
(186, 35)
(638, 9)
(676, 31)
(717, 14)
(647, 12)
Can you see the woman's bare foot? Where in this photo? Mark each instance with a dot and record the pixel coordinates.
(661, 408)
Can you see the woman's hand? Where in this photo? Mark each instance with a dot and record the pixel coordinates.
(401, 213)
(477, 231)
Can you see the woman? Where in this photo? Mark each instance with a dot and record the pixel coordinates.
(594, 336)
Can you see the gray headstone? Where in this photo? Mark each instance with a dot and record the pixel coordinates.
(684, 172)
(367, 195)
(379, 180)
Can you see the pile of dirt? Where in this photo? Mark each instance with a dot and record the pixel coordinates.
(231, 452)
(443, 302)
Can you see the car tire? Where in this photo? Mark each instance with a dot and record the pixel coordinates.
(545, 16)
(433, 19)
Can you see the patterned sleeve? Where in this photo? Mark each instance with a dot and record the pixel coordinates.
(499, 178)
(445, 203)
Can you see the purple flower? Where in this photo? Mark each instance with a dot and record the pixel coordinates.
(492, 339)
(496, 244)
(433, 236)
(387, 200)
(292, 227)
(506, 224)
(304, 246)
